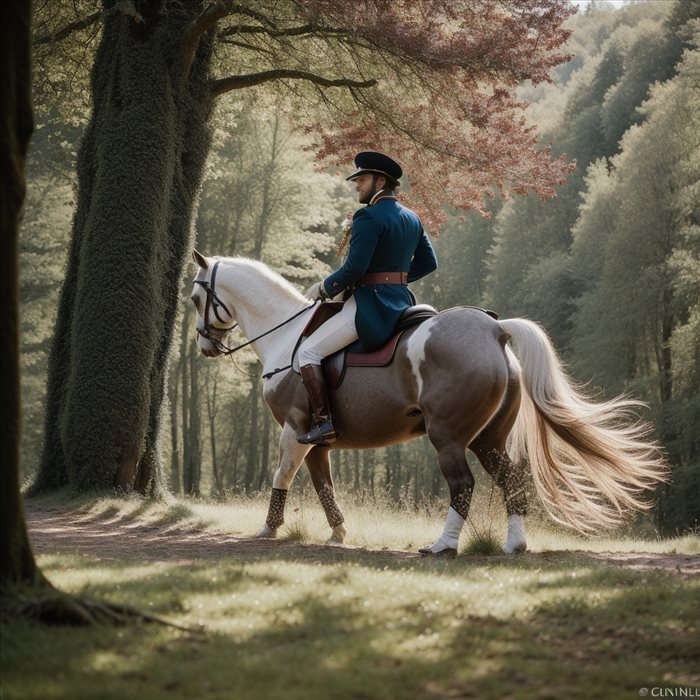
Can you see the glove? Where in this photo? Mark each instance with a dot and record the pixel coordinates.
(321, 294)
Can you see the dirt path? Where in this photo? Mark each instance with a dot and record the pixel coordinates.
(110, 537)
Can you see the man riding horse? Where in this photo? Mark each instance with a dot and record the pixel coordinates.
(388, 249)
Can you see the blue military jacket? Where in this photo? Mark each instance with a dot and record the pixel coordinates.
(386, 237)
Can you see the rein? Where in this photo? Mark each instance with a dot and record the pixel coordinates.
(214, 302)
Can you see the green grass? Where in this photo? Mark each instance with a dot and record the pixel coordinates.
(298, 620)
(377, 524)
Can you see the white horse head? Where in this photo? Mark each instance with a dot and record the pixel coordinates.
(230, 292)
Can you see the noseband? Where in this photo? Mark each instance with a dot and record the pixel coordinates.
(213, 333)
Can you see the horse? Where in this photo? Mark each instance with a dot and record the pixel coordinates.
(456, 378)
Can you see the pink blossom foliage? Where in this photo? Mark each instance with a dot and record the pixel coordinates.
(444, 105)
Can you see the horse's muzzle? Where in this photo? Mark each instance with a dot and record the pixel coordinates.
(207, 346)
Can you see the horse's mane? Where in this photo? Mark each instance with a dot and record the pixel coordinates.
(264, 271)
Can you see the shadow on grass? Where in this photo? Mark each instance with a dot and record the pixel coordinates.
(579, 627)
(608, 640)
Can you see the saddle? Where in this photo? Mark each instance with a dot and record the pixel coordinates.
(334, 365)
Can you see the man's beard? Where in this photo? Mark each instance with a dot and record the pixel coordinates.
(367, 198)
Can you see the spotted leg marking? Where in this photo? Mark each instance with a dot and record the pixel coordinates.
(291, 456)
(511, 479)
(490, 448)
(318, 462)
(326, 494)
(275, 514)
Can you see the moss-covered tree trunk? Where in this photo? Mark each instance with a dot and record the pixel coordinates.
(139, 169)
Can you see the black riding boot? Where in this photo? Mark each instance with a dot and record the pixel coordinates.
(322, 431)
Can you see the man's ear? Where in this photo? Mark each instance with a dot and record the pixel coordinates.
(200, 259)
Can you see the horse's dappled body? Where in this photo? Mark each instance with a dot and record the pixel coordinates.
(455, 379)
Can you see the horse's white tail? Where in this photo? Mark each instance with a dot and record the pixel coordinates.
(590, 461)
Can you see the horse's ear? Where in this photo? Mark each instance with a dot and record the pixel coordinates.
(200, 259)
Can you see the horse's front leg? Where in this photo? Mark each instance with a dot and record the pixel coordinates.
(291, 456)
(319, 465)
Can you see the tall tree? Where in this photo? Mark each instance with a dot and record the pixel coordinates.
(428, 79)
(25, 590)
(139, 168)
(17, 564)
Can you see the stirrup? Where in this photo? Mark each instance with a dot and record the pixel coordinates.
(323, 433)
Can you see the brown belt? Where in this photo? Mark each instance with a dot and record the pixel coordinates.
(384, 278)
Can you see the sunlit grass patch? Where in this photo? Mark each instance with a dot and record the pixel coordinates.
(408, 624)
(293, 619)
(378, 524)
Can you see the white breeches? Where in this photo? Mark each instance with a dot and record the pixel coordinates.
(337, 332)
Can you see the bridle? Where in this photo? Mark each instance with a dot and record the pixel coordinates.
(211, 332)
(214, 334)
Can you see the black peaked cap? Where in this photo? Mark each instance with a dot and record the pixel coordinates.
(374, 162)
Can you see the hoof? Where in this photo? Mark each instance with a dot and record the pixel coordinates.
(266, 531)
(447, 552)
(519, 548)
(337, 536)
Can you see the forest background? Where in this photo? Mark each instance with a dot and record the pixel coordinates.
(610, 267)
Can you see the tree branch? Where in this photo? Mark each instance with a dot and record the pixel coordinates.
(290, 31)
(69, 29)
(205, 21)
(237, 82)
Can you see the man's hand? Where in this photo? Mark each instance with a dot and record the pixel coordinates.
(321, 294)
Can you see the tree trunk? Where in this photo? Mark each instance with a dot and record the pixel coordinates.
(265, 456)
(175, 454)
(392, 462)
(253, 455)
(368, 470)
(17, 564)
(193, 455)
(212, 410)
(139, 169)
(356, 472)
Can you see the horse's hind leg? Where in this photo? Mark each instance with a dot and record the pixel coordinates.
(490, 449)
(319, 465)
(453, 418)
(452, 461)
